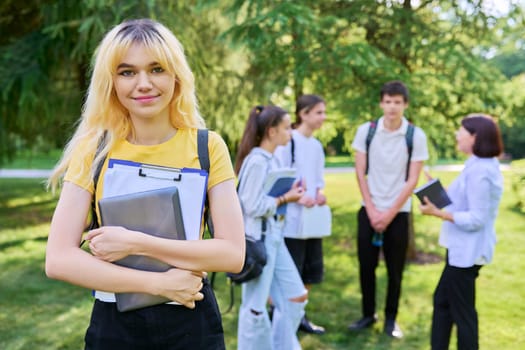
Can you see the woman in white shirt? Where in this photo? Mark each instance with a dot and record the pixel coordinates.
(467, 231)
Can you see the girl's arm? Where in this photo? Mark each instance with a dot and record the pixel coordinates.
(223, 253)
(66, 261)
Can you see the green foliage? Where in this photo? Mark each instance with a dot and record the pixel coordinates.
(345, 51)
(248, 52)
(44, 70)
(511, 64)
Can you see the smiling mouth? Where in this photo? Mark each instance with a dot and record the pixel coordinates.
(145, 98)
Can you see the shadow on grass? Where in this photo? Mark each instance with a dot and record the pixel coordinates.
(24, 203)
(19, 242)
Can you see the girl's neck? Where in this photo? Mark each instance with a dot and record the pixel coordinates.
(268, 146)
(305, 130)
(151, 134)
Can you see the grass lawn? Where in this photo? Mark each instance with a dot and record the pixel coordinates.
(39, 313)
(34, 160)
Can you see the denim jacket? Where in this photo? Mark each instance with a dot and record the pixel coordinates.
(256, 205)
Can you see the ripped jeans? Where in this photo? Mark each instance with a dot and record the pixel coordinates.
(281, 281)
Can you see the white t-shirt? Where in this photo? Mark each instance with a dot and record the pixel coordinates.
(309, 162)
(388, 157)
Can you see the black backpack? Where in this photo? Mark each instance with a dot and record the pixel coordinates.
(409, 138)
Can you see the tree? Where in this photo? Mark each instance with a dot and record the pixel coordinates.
(346, 50)
(44, 65)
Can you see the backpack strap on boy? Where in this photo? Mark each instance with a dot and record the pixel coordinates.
(409, 139)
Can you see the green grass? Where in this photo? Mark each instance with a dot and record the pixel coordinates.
(338, 161)
(39, 313)
(34, 160)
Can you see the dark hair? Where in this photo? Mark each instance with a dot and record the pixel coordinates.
(488, 141)
(305, 102)
(393, 88)
(261, 119)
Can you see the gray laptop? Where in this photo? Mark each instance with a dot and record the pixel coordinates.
(156, 212)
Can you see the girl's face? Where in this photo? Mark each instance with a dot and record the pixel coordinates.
(281, 133)
(465, 140)
(315, 117)
(142, 85)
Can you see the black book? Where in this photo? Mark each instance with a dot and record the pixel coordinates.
(435, 192)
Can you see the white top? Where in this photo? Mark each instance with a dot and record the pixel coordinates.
(475, 195)
(309, 162)
(388, 159)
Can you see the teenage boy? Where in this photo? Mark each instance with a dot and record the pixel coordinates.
(386, 174)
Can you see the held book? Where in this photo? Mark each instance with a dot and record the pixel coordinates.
(155, 212)
(316, 222)
(278, 182)
(435, 192)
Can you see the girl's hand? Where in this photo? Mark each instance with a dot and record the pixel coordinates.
(320, 199)
(306, 201)
(112, 243)
(428, 208)
(427, 175)
(295, 193)
(182, 286)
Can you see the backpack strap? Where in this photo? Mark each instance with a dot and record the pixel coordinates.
(371, 132)
(95, 223)
(409, 139)
(202, 149)
(204, 160)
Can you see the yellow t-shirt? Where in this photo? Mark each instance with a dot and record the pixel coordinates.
(180, 151)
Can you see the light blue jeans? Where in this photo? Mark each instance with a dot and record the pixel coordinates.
(280, 280)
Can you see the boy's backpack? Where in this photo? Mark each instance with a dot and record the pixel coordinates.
(409, 138)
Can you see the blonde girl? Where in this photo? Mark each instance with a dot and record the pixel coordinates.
(142, 98)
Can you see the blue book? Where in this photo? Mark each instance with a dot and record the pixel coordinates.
(278, 183)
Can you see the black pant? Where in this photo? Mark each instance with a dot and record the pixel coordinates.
(159, 327)
(455, 303)
(395, 243)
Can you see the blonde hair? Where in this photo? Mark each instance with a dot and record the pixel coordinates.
(103, 114)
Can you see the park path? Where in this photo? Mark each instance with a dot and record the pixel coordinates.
(44, 173)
